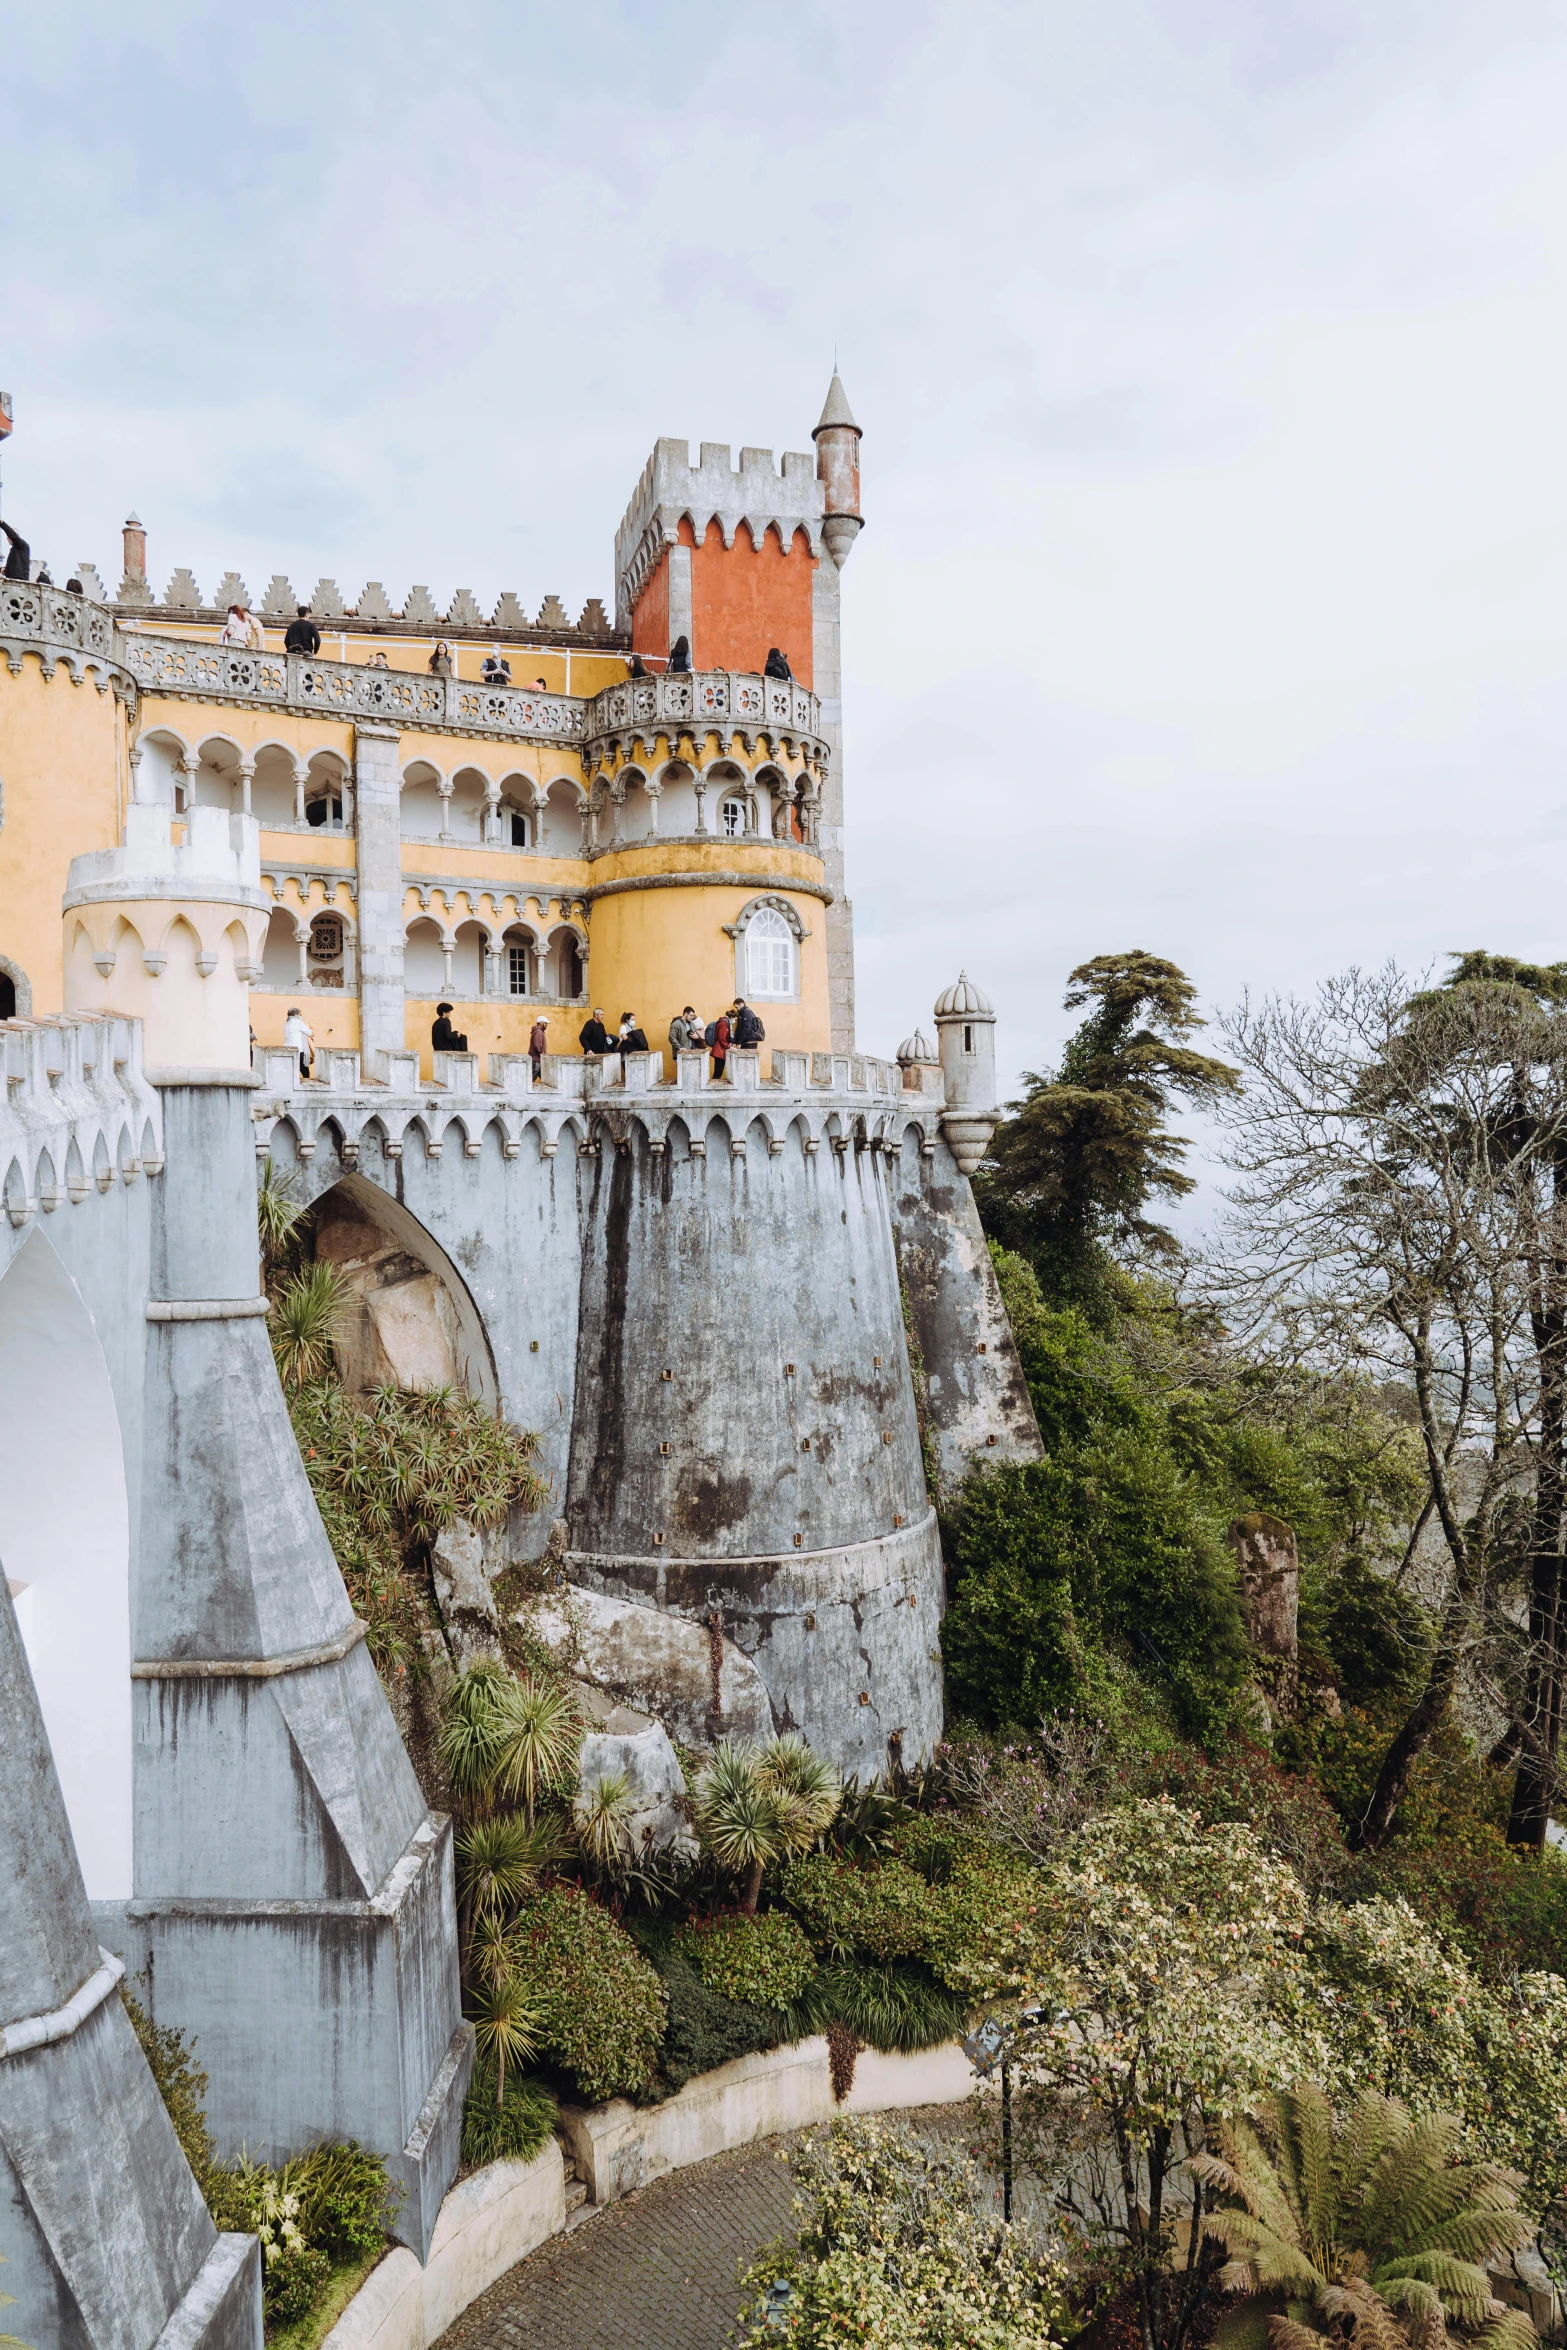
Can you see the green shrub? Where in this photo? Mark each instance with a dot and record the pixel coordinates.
(763, 1961)
(847, 1905)
(898, 2006)
(292, 2282)
(894, 1910)
(347, 2204)
(182, 2085)
(603, 2006)
(516, 2130)
(705, 2028)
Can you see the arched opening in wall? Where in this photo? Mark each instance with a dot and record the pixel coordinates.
(730, 801)
(677, 807)
(326, 953)
(216, 780)
(559, 832)
(280, 951)
(7, 996)
(424, 965)
(272, 787)
(325, 797)
(518, 977)
(65, 1550)
(410, 1316)
(467, 805)
(468, 959)
(571, 971)
(422, 804)
(515, 820)
(636, 809)
(159, 777)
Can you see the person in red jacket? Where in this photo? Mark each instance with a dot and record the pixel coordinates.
(719, 1034)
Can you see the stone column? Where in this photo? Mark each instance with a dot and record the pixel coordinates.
(827, 680)
(680, 622)
(378, 796)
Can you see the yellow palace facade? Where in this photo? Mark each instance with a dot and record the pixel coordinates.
(636, 815)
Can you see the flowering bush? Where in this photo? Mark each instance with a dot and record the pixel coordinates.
(765, 1960)
(294, 2271)
(602, 2005)
(899, 2250)
(1403, 2012)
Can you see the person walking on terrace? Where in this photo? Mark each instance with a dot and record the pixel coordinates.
(748, 1029)
(538, 1044)
(594, 1038)
(444, 1038)
(302, 634)
(298, 1038)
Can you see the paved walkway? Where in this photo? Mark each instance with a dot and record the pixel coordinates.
(657, 2271)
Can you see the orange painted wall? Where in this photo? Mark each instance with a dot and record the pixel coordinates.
(650, 620)
(745, 598)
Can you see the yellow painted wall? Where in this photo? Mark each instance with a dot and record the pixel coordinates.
(333, 1014)
(63, 771)
(654, 951)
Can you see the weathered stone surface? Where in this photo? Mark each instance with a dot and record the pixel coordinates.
(651, 1768)
(1265, 1552)
(400, 1323)
(462, 1579)
(661, 1664)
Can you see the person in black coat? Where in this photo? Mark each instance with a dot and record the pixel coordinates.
(595, 1037)
(631, 1038)
(444, 1038)
(777, 664)
(19, 562)
(302, 634)
(680, 657)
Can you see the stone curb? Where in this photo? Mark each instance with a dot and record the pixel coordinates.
(502, 2213)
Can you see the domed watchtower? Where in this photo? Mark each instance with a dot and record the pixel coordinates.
(966, 1025)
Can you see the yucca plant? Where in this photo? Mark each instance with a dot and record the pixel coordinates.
(306, 1313)
(508, 2025)
(600, 1816)
(507, 1737)
(498, 1862)
(277, 1214)
(756, 1805)
(1370, 2232)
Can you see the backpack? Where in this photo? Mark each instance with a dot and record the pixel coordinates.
(755, 1033)
(710, 1033)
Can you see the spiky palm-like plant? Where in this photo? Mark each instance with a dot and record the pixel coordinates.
(507, 1737)
(498, 1862)
(277, 1213)
(507, 2024)
(600, 1815)
(305, 1316)
(753, 1806)
(1370, 2233)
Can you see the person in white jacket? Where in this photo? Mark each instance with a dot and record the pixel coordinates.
(298, 1037)
(243, 628)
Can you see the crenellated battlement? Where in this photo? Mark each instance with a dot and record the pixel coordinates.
(672, 489)
(78, 1113)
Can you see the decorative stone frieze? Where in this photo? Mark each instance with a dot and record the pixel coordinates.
(60, 627)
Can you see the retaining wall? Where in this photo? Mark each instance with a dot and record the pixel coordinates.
(502, 2213)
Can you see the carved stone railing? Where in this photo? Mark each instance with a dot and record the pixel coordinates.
(58, 627)
(638, 705)
(349, 689)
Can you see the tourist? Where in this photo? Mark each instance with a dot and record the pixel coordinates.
(74, 587)
(686, 1033)
(495, 669)
(297, 1036)
(631, 1038)
(680, 657)
(594, 1038)
(777, 664)
(748, 1029)
(538, 1044)
(302, 634)
(243, 628)
(718, 1035)
(378, 661)
(636, 669)
(539, 686)
(444, 1038)
(441, 660)
(19, 561)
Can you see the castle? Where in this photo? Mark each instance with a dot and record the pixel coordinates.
(752, 1320)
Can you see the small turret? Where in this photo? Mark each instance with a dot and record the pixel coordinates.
(133, 587)
(966, 1026)
(837, 439)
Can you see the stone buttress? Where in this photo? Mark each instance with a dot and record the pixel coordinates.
(293, 1897)
(108, 2244)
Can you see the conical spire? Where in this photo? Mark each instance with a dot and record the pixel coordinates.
(837, 409)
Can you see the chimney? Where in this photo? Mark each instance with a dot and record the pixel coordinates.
(133, 587)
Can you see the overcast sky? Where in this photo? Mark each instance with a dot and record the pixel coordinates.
(1210, 359)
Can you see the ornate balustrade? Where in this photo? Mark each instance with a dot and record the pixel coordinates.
(58, 626)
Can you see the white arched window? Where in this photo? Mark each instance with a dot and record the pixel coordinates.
(731, 817)
(771, 969)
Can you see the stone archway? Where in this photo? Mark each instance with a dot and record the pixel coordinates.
(411, 1316)
(65, 1549)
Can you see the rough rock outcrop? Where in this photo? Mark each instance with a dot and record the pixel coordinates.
(1265, 1552)
(700, 1685)
(654, 1781)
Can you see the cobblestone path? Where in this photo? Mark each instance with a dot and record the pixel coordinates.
(656, 2271)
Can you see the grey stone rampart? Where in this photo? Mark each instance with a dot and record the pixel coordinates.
(976, 1401)
(104, 2227)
